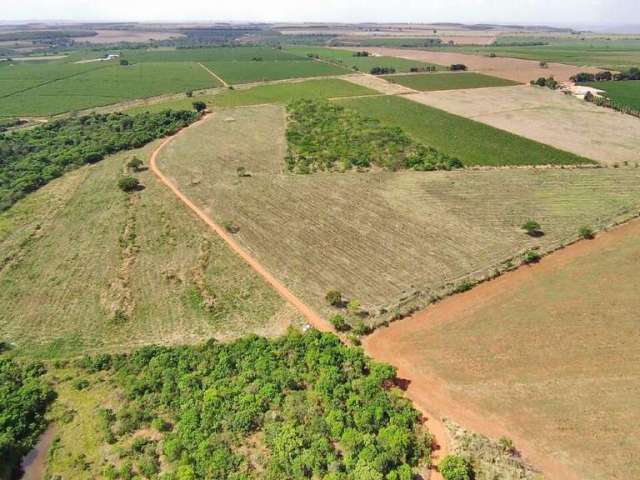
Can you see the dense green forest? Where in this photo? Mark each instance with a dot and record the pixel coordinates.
(24, 398)
(33, 157)
(301, 406)
(325, 136)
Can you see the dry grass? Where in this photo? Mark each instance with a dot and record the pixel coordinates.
(549, 117)
(79, 251)
(549, 354)
(380, 237)
(510, 68)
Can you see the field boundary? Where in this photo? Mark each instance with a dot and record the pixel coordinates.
(214, 75)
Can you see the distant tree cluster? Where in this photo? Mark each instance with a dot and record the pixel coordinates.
(428, 68)
(382, 71)
(24, 399)
(550, 82)
(458, 67)
(606, 76)
(323, 136)
(319, 408)
(31, 158)
(363, 53)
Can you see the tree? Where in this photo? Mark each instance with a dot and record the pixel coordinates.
(199, 106)
(456, 67)
(544, 64)
(128, 184)
(455, 467)
(135, 164)
(531, 256)
(533, 228)
(124, 62)
(189, 93)
(586, 232)
(339, 323)
(334, 298)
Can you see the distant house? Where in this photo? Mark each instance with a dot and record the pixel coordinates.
(112, 56)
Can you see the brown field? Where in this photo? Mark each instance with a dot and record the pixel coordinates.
(79, 250)
(540, 114)
(383, 238)
(378, 84)
(548, 355)
(114, 36)
(510, 68)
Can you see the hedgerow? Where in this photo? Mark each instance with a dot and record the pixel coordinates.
(324, 136)
(302, 406)
(29, 159)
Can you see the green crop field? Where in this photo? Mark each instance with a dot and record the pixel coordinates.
(472, 142)
(626, 92)
(281, 93)
(103, 86)
(448, 81)
(363, 64)
(214, 54)
(615, 54)
(78, 251)
(251, 71)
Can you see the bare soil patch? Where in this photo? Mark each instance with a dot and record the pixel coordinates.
(547, 355)
(514, 69)
(115, 36)
(548, 117)
(378, 84)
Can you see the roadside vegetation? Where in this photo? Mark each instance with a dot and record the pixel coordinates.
(324, 136)
(34, 157)
(24, 399)
(300, 406)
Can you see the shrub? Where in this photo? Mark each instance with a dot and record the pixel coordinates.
(532, 228)
(544, 64)
(362, 328)
(231, 227)
(455, 467)
(80, 384)
(531, 256)
(242, 172)
(382, 70)
(189, 93)
(124, 62)
(334, 298)
(135, 164)
(128, 184)
(458, 67)
(507, 445)
(586, 232)
(354, 306)
(199, 106)
(339, 323)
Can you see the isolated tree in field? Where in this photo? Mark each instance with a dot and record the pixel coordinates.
(199, 106)
(532, 228)
(128, 184)
(339, 323)
(135, 164)
(189, 93)
(454, 467)
(586, 232)
(544, 64)
(458, 67)
(124, 62)
(531, 256)
(334, 298)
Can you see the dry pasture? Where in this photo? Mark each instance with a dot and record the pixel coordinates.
(549, 117)
(115, 36)
(514, 69)
(380, 237)
(548, 355)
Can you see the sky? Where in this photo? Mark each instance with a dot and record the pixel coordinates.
(556, 12)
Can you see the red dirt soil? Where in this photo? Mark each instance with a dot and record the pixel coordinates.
(430, 392)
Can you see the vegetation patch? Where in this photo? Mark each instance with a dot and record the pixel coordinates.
(24, 399)
(448, 81)
(324, 136)
(620, 94)
(473, 142)
(34, 157)
(300, 406)
(260, 71)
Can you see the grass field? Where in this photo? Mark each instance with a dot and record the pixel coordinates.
(473, 142)
(625, 93)
(380, 237)
(529, 111)
(248, 71)
(550, 353)
(103, 86)
(213, 54)
(448, 81)
(278, 93)
(79, 251)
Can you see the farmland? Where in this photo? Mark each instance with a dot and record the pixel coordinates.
(139, 254)
(448, 81)
(252, 71)
(547, 354)
(473, 142)
(528, 111)
(626, 92)
(315, 233)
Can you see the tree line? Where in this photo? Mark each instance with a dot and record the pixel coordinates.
(30, 159)
(606, 76)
